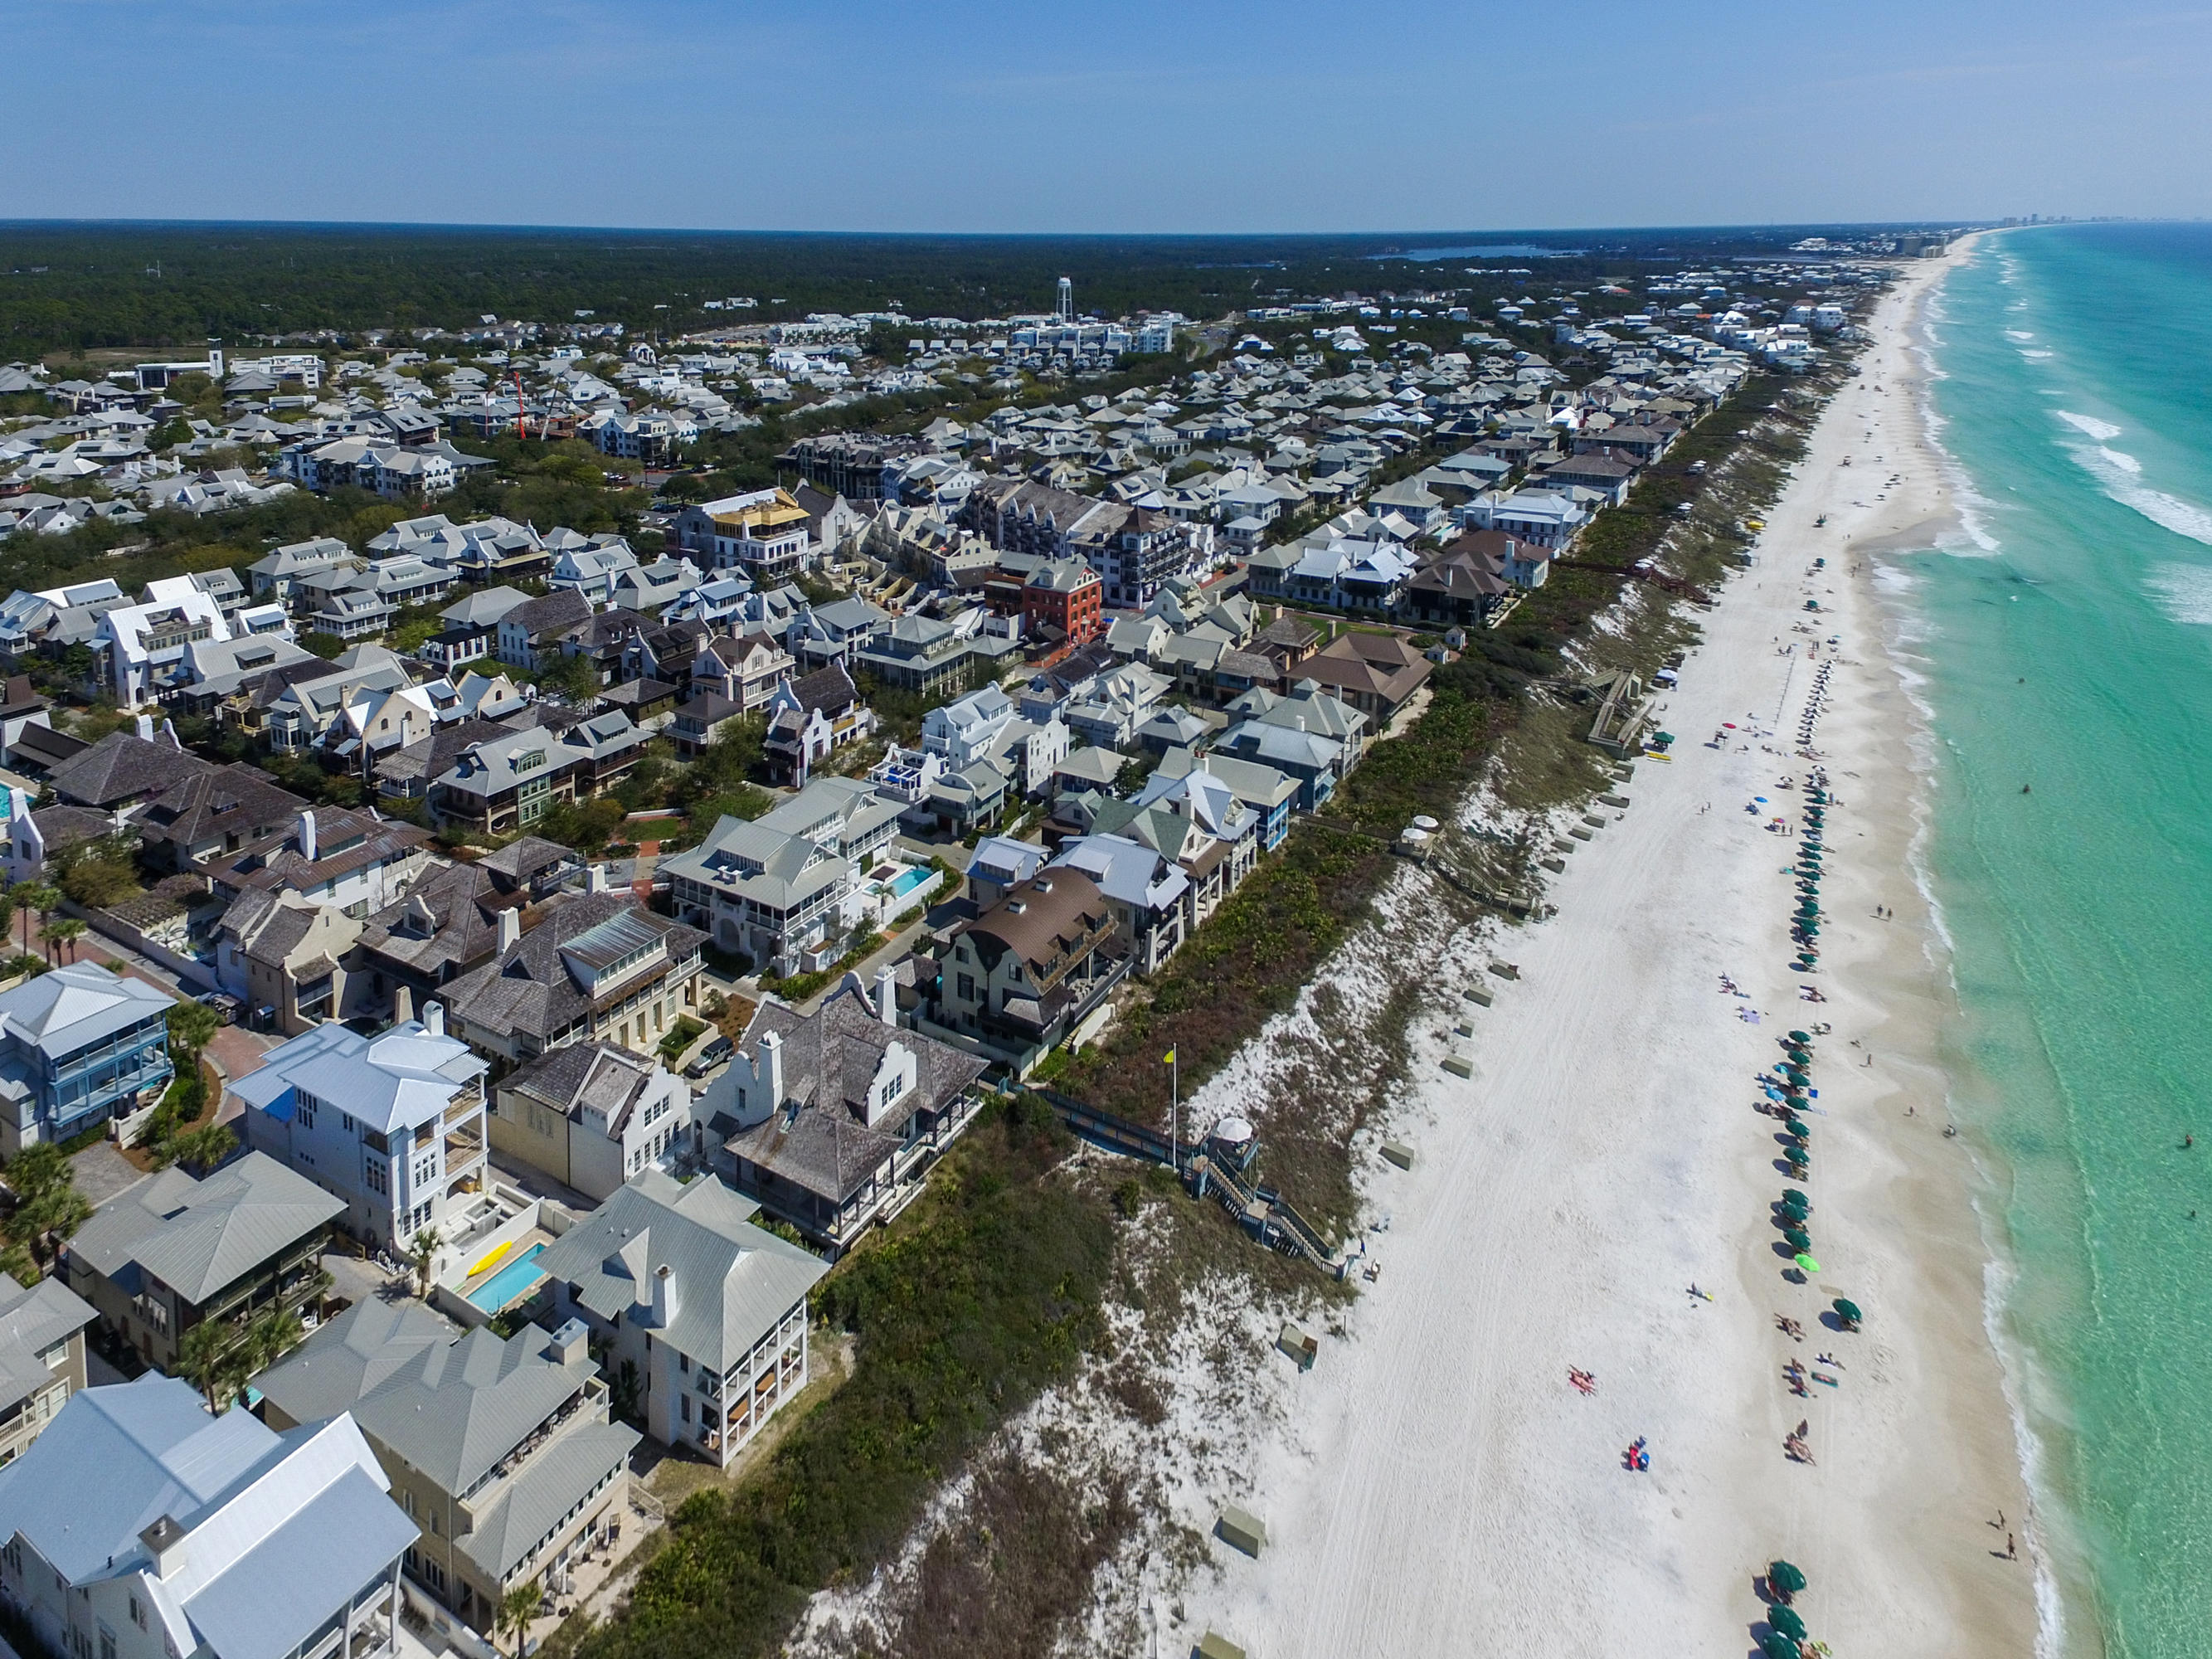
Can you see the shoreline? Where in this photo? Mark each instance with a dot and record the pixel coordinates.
(1434, 1475)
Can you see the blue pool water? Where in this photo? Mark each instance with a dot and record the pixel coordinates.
(907, 880)
(511, 1282)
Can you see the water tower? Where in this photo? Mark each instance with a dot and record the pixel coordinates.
(1063, 309)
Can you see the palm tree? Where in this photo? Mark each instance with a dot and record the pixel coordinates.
(34, 895)
(271, 1336)
(200, 1149)
(516, 1609)
(48, 1207)
(423, 1253)
(210, 1360)
(67, 931)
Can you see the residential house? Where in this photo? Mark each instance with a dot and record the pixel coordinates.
(1063, 601)
(592, 1115)
(832, 1120)
(1307, 735)
(779, 888)
(650, 588)
(833, 634)
(1030, 970)
(1107, 711)
(763, 533)
(1376, 673)
(140, 1528)
(392, 1125)
(966, 730)
(172, 1252)
(810, 718)
(921, 654)
(41, 1358)
(280, 954)
(701, 1315)
(538, 631)
(79, 1046)
(598, 968)
(1148, 891)
(504, 783)
(593, 569)
(499, 1447)
(745, 668)
(277, 574)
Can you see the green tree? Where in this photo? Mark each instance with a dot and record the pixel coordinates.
(209, 1359)
(36, 899)
(48, 1207)
(325, 646)
(200, 1149)
(67, 931)
(192, 1026)
(423, 1253)
(273, 1334)
(516, 1609)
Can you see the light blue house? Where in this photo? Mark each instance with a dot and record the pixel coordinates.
(78, 1046)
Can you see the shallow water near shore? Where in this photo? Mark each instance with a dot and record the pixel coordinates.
(2066, 651)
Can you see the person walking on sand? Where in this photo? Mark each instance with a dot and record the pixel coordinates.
(2012, 1548)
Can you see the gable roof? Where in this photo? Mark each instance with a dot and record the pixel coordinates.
(732, 1282)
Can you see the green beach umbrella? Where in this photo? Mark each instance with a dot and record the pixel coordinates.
(1786, 1577)
(1775, 1645)
(1786, 1621)
(1797, 1238)
(1796, 1203)
(1847, 1310)
(1808, 1263)
(1789, 1193)
(1801, 1038)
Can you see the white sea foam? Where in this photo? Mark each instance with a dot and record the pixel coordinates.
(2035, 356)
(2018, 334)
(1972, 507)
(2121, 475)
(2089, 426)
(2184, 591)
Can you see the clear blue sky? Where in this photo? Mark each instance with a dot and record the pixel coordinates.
(969, 115)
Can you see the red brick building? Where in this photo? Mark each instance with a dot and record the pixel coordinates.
(1064, 595)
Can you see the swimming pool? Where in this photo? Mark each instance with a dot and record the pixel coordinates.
(907, 880)
(511, 1282)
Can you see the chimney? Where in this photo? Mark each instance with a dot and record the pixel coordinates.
(769, 1068)
(510, 929)
(403, 1004)
(595, 879)
(165, 1542)
(664, 1297)
(433, 1018)
(307, 849)
(887, 997)
(569, 1345)
(169, 731)
(145, 728)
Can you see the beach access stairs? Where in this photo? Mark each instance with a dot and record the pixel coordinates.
(1261, 1210)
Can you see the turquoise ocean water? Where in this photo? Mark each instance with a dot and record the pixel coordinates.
(2068, 647)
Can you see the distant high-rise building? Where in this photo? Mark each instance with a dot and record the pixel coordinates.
(1064, 307)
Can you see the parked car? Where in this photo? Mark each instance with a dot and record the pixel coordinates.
(225, 1004)
(708, 1058)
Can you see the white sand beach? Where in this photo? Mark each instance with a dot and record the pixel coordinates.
(1436, 1485)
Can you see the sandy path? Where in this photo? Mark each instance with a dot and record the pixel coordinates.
(1439, 1487)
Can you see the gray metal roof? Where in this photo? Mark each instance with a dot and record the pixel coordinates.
(732, 1282)
(31, 1321)
(397, 1080)
(553, 1483)
(455, 1406)
(305, 1511)
(196, 1236)
(71, 1008)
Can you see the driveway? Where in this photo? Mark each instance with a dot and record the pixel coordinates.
(101, 1172)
